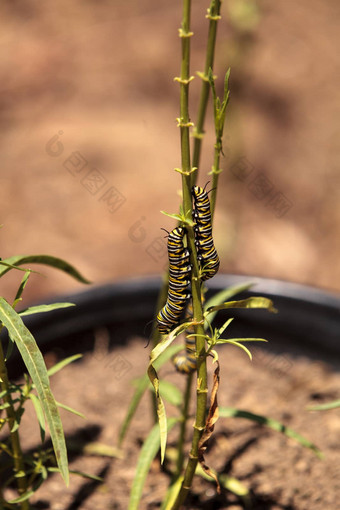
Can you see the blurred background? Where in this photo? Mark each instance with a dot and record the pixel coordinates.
(89, 138)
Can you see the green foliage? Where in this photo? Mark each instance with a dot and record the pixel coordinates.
(44, 308)
(47, 260)
(230, 412)
(148, 453)
(156, 352)
(325, 407)
(30, 471)
(198, 324)
(142, 385)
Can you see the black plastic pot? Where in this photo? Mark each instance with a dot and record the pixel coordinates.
(308, 322)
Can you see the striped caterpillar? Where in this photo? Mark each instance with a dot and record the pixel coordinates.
(187, 363)
(179, 279)
(207, 254)
(180, 272)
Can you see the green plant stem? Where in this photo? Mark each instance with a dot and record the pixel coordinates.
(14, 436)
(215, 173)
(184, 418)
(184, 125)
(198, 132)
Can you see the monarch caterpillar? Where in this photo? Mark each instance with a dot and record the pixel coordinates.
(207, 254)
(179, 279)
(187, 363)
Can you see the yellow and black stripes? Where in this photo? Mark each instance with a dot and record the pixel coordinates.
(187, 363)
(180, 272)
(179, 279)
(207, 254)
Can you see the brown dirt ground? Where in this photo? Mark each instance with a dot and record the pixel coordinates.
(280, 473)
(102, 73)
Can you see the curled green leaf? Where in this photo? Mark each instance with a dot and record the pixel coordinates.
(230, 412)
(325, 407)
(36, 367)
(251, 302)
(148, 452)
(152, 374)
(44, 308)
(46, 260)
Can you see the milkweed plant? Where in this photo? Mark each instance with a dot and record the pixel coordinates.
(22, 473)
(182, 308)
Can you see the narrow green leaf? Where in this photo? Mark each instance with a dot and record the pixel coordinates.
(174, 216)
(230, 412)
(148, 453)
(34, 362)
(167, 341)
(172, 493)
(139, 392)
(61, 364)
(18, 416)
(200, 472)
(237, 344)
(234, 485)
(227, 482)
(160, 410)
(226, 85)
(12, 389)
(152, 374)
(224, 295)
(70, 410)
(26, 496)
(40, 415)
(181, 218)
(46, 260)
(86, 475)
(12, 266)
(102, 450)
(239, 340)
(23, 497)
(78, 473)
(226, 95)
(21, 287)
(9, 349)
(4, 447)
(224, 327)
(44, 308)
(325, 407)
(143, 384)
(171, 393)
(252, 302)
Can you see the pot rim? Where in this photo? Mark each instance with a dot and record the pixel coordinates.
(268, 286)
(308, 318)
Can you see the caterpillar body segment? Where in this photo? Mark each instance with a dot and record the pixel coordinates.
(179, 279)
(207, 254)
(187, 363)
